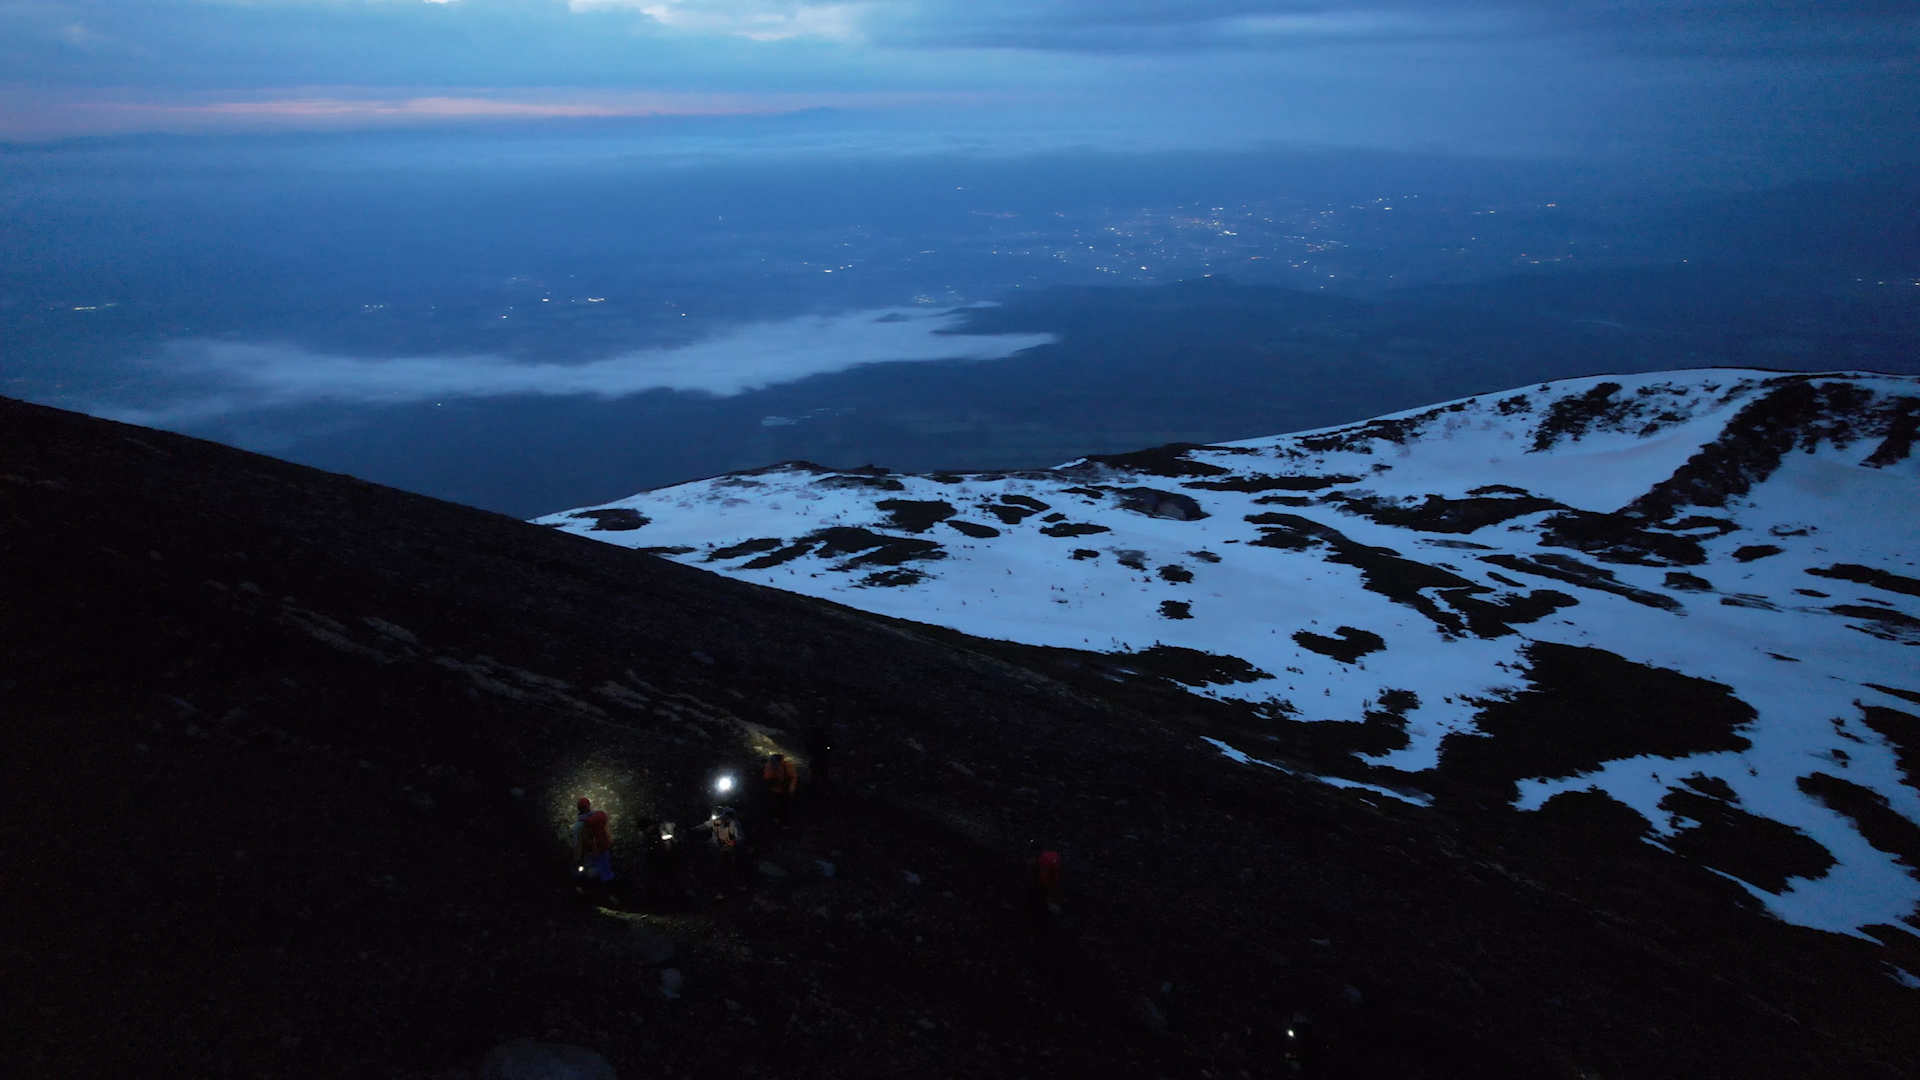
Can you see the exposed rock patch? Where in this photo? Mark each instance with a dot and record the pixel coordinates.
(861, 481)
(1170, 460)
(1883, 623)
(973, 529)
(1161, 504)
(745, 548)
(615, 520)
(1902, 732)
(1618, 538)
(1441, 515)
(1011, 513)
(1754, 849)
(1256, 482)
(1882, 826)
(1347, 645)
(914, 515)
(868, 548)
(1574, 572)
(1685, 582)
(1867, 575)
(1583, 707)
(1191, 667)
(1794, 413)
(1073, 528)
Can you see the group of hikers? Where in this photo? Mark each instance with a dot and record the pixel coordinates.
(725, 830)
(726, 840)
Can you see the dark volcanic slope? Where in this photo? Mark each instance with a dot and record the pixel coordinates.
(264, 725)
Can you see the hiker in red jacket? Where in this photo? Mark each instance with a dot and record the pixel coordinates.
(1043, 886)
(592, 842)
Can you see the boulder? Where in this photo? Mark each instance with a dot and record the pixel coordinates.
(1161, 504)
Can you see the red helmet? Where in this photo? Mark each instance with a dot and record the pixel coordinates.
(585, 804)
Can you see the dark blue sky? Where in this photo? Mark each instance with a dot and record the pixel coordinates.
(1791, 82)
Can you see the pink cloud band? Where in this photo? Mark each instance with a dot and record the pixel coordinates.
(326, 107)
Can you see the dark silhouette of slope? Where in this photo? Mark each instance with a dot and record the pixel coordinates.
(289, 759)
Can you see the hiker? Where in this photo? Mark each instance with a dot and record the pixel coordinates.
(729, 839)
(820, 758)
(779, 778)
(592, 842)
(1042, 886)
(663, 868)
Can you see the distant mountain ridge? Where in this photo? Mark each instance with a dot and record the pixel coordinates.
(1695, 592)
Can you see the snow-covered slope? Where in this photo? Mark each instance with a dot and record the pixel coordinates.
(1694, 591)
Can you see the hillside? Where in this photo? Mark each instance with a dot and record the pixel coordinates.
(1725, 558)
(291, 757)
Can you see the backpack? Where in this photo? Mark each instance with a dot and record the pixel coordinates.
(780, 778)
(595, 838)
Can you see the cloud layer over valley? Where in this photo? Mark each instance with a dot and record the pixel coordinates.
(202, 379)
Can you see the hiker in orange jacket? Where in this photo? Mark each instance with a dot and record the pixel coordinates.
(592, 842)
(780, 778)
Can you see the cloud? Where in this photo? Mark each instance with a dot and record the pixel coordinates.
(1867, 28)
(755, 20)
(214, 378)
(1533, 76)
(624, 42)
(28, 115)
(446, 108)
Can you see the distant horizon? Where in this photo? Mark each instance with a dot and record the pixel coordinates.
(834, 133)
(1784, 88)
